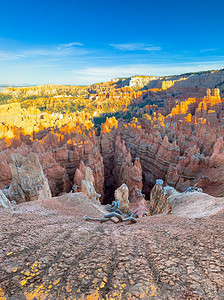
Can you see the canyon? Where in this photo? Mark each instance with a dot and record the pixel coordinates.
(153, 144)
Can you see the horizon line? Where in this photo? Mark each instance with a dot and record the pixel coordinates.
(5, 85)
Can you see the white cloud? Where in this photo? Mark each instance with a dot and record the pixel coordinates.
(69, 45)
(9, 55)
(101, 74)
(47, 51)
(135, 47)
(209, 50)
(73, 64)
(41, 73)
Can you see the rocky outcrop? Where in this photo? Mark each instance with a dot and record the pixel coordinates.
(197, 110)
(159, 199)
(78, 177)
(60, 155)
(84, 182)
(155, 153)
(28, 180)
(141, 207)
(183, 154)
(87, 186)
(125, 171)
(95, 162)
(209, 79)
(57, 176)
(200, 170)
(4, 201)
(121, 195)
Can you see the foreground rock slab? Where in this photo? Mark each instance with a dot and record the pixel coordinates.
(49, 252)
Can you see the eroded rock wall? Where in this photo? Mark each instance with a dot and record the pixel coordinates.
(60, 156)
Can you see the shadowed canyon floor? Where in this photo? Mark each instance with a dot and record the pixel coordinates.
(49, 252)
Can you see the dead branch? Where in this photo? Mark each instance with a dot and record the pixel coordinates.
(115, 213)
(87, 218)
(131, 219)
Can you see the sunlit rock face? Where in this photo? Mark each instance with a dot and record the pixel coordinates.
(205, 110)
(139, 82)
(209, 79)
(28, 180)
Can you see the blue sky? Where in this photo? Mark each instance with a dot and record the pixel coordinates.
(82, 42)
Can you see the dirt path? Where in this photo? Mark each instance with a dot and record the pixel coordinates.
(48, 252)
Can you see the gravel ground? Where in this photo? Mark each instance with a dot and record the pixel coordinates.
(49, 252)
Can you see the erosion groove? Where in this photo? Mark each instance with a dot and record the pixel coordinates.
(161, 257)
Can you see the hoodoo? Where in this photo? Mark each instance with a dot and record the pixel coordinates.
(28, 180)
